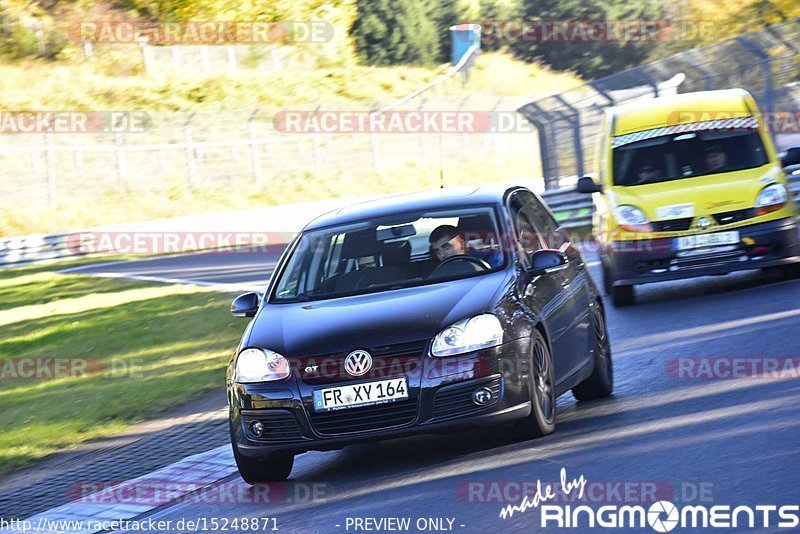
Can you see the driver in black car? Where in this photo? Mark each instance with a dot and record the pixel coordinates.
(446, 241)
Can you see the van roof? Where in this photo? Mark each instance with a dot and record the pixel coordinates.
(680, 109)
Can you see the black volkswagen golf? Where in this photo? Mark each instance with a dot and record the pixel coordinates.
(417, 313)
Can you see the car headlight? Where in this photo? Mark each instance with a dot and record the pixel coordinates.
(479, 332)
(771, 198)
(258, 365)
(632, 219)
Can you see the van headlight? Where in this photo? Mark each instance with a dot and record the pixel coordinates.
(632, 219)
(260, 365)
(771, 198)
(479, 332)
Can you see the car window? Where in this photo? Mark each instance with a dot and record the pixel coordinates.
(687, 155)
(548, 228)
(391, 252)
(526, 233)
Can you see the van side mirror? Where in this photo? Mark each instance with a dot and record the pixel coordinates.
(587, 185)
(245, 305)
(791, 157)
(547, 260)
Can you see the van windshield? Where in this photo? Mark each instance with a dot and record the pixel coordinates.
(391, 252)
(686, 155)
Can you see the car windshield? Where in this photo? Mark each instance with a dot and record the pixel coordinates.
(687, 155)
(390, 253)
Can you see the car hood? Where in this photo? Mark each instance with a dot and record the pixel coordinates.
(710, 194)
(372, 320)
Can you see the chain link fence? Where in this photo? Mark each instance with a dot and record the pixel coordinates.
(765, 62)
(245, 149)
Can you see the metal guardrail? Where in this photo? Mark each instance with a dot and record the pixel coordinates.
(572, 210)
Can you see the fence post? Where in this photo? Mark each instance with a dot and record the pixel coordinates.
(423, 145)
(39, 31)
(315, 142)
(575, 120)
(708, 81)
(51, 166)
(373, 141)
(120, 152)
(766, 67)
(255, 155)
(145, 49)
(489, 136)
(642, 75)
(232, 67)
(191, 171)
(205, 60)
(539, 117)
(177, 66)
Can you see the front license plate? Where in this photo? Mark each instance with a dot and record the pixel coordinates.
(706, 240)
(365, 394)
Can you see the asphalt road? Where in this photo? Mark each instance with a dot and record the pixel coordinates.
(704, 441)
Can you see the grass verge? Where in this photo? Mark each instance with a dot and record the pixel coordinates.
(137, 350)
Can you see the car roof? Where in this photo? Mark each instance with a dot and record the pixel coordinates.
(422, 201)
(682, 108)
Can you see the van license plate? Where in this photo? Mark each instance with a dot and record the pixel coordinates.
(706, 240)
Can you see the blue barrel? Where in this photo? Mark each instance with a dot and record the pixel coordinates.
(462, 37)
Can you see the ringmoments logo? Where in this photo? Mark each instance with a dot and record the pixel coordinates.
(660, 516)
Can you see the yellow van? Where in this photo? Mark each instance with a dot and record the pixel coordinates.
(689, 185)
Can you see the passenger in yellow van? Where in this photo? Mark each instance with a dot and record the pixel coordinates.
(716, 159)
(648, 172)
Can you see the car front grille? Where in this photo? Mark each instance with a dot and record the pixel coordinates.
(707, 260)
(456, 401)
(280, 425)
(387, 361)
(377, 417)
(673, 225)
(730, 217)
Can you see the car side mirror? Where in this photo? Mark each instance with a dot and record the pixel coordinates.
(791, 157)
(587, 185)
(245, 305)
(547, 260)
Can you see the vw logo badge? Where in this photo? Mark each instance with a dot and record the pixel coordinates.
(703, 223)
(358, 362)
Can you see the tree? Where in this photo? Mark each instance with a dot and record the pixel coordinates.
(590, 58)
(387, 32)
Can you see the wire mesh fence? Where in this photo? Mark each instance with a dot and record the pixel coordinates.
(765, 62)
(248, 148)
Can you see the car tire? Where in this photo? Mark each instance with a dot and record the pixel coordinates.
(608, 280)
(623, 296)
(601, 382)
(542, 419)
(787, 272)
(274, 468)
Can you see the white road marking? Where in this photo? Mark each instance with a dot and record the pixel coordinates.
(163, 280)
